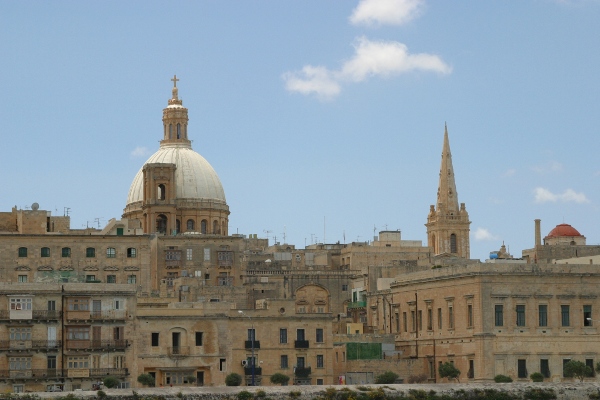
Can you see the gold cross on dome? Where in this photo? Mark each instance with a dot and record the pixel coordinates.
(174, 80)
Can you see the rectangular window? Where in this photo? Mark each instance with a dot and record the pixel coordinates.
(300, 334)
(118, 304)
(198, 338)
(587, 315)
(300, 362)
(470, 315)
(320, 362)
(79, 362)
(420, 320)
(131, 252)
(543, 315)
(499, 315)
(413, 321)
(20, 333)
(20, 304)
(78, 333)
(51, 305)
(131, 279)
(111, 252)
(450, 317)
(90, 252)
(51, 362)
(154, 339)
(440, 325)
(206, 254)
(22, 251)
(189, 254)
(319, 335)
(45, 252)
(564, 315)
(22, 278)
(589, 362)
(429, 319)
(222, 364)
(545, 368)
(283, 362)
(78, 304)
(404, 322)
(65, 252)
(19, 363)
(522, 368)
(118, 332)
(90, 278)
(319, 381)
(471, 371)
(344, 288)
(520, 315)
(283, 335)
(251, 334)
(111, 279)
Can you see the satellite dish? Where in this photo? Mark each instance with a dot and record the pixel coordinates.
(35, 206)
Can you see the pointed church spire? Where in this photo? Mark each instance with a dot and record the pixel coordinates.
(447, 199)
(447, 224)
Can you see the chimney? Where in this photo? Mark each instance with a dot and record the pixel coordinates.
(538, 234)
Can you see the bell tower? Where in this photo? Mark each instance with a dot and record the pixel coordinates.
(447, 223)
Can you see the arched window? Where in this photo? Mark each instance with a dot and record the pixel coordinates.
(170, 131)
(203, 226)
(433, 244)
(190, 225)
(215, 227)
(178, 131)
(22, 251)
(45, 252)
(161, 192)
(178, 225)
(111, 252)
(65, 252)
(453, 248)
(223, 231)
(161, 223)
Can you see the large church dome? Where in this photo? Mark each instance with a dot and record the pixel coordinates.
(195, 178)
(177, 190)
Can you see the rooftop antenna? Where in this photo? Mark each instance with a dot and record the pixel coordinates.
(284, 234)
(66, 211)
(97, 220)
(344, 234)
(267, 231)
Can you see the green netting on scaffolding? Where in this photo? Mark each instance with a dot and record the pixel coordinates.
(364, 351)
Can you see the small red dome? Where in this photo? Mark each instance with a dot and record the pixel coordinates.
(563, 230)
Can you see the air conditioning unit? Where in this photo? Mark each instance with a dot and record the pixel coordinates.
(244, 363)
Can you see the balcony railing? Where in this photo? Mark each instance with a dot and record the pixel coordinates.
(76, 344)
(44, 315)
(31, 373)
(98, 372)
(302, 372)
(178, 351)
(301, 344)
(248, 344)
(115, 315)
(248, 371)
(357, 304)
(47, 345)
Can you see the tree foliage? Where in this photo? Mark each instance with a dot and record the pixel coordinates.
(233, 379)
(448, 370)
(577, 369)
(279, 379)
(502, 379)
(536, 377)
(110, 382)
(386, 377)
(146, 380)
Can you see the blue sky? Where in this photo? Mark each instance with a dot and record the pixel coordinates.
(323, 119)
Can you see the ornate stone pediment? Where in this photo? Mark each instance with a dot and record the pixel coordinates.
(22, 268)
(45, 268)
(66, 268)
(111, 268)
(90, 268)
(131, 268)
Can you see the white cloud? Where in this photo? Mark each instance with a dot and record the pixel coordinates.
(552, 166)
(543, 195)
(139, 152)
(317, 80)
(391, 12)
(509, 173)
(482, 234)
(371, 58)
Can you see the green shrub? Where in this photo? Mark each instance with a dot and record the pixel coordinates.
(260, 394)
(279, 379)
(539, 394)
(577, 369)
(101, 394)
(244, 394)
(386, 377)
(295, 394)
(146, 380)
(536, 377)
(110, 382)
(502, 379)
(233, 379)
(448, 370)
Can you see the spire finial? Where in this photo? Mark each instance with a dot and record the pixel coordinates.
(175, 80)
(175, 90)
